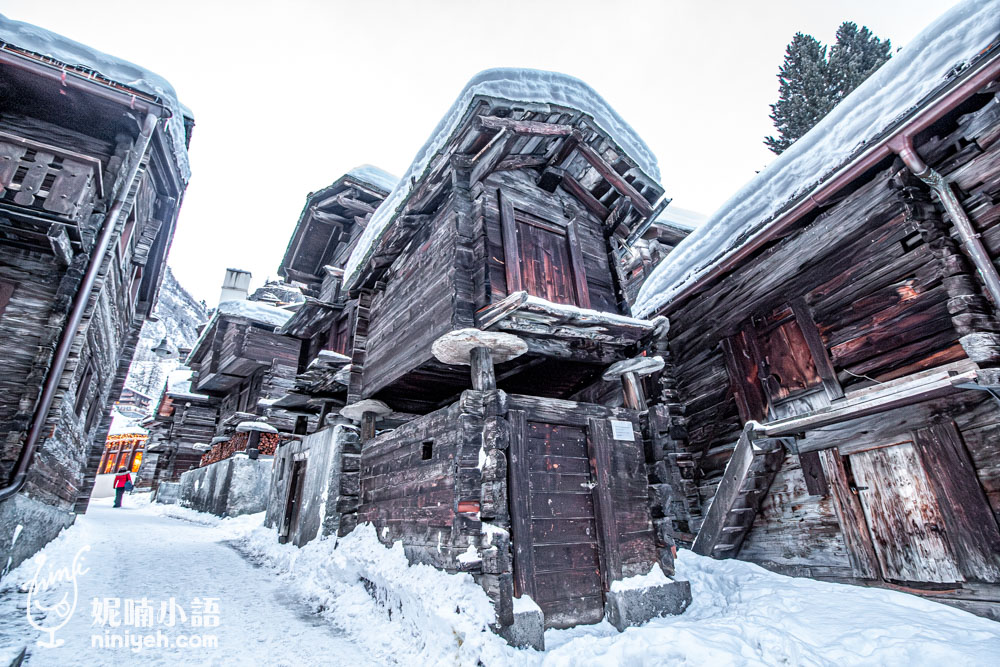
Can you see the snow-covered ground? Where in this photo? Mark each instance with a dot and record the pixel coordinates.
(356, 602)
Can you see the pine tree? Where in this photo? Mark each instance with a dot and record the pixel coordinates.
(804, 91)
(812, 84)
(855, 56)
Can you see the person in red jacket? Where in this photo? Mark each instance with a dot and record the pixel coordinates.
(122, 479)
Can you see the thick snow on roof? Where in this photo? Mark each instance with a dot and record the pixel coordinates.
(900, 86)
(122, 425)
(255, 310)
(681, 217)
(518, 85)
(38, 40)
(372, 175)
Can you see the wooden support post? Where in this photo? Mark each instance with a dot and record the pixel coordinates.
(368, 426)
(634, 396)
(483, 375)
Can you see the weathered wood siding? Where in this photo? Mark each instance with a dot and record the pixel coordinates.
(416, 306)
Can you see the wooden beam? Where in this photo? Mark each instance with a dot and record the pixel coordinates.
(820, 355)
(61, 246)
(576, 260)
(353, 204)
(615, 179)
(532, 128)
(916, 388)
(520, 510)
(512, 260)
(853, 527)
(513, 162)
(600, 445)
(486, 159)
(490, 315)
(589, 201)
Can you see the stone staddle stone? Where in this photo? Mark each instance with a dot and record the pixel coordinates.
(455, 347)
(637, 365)
(355, 411)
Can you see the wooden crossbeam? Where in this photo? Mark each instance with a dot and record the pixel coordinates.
(532, 128)
(614, 178)
(588, 200)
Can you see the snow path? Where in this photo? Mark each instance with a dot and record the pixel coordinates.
(138, 552)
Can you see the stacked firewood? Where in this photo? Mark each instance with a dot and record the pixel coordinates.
(238, 443)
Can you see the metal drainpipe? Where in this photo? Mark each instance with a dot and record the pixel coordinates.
(20, 474)
(903, 146)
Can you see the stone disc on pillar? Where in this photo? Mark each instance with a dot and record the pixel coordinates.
(638, 365)
(455, 347)
(355, 411)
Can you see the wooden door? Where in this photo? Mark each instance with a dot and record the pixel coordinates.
(903, 515)
(294, 500)
(556, 553)
(546, 269)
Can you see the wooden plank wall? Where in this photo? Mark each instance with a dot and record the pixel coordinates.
(410, 488)
(415, 308)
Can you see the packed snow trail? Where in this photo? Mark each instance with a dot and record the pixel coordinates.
(136, 552)
(353, 601)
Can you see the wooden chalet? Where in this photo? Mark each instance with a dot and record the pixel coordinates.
(328, 229)
(832, 394)
(244, 365)
(486, 293)
(182, 426)
(93, 167)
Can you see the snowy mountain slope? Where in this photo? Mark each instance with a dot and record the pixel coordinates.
(178, 316)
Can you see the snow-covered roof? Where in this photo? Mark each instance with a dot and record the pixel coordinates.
(122, 425)
(681, 217)
(372, 175)
(517, 85)
(75, 55)
(256, 311)
(891, 95)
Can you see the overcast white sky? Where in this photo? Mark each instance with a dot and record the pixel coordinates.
(288, 96)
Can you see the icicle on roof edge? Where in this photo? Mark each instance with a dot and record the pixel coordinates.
(938, 54)
(517, 85)
(74, 54)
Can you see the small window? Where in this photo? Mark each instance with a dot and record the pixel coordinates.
(82, 389)
(426, 450)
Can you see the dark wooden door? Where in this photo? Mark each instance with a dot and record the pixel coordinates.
(546, 268)
(903, 516)
(294, 500)
(556, 552)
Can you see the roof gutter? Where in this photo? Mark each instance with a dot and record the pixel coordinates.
(106, 89)
(973, 81)
(80, 300)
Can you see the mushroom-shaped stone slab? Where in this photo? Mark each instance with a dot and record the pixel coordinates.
(247, 427)
(638, 365)
(455, 347)
(355, 411)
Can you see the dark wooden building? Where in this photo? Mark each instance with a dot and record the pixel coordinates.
(179, 432)
(835, 346)
(93, 167)
(501, 251)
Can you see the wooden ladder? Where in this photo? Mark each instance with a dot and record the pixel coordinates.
(745, 483)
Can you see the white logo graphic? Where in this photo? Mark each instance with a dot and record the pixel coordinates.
(49, 617)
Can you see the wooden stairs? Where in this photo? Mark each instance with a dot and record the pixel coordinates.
(745, 483)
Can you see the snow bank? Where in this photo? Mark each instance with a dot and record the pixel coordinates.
(409, 614)
(372, 175)
(517, 85)
(914, 75)
(75, 55)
